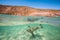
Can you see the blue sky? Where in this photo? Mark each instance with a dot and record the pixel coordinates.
(45, 4)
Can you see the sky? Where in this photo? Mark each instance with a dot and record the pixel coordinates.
(42, 4)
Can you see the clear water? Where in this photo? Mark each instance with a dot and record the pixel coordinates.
(15, 28)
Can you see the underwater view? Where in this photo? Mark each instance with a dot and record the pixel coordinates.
(29, 27)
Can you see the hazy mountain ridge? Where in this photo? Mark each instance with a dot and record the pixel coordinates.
(27, 11)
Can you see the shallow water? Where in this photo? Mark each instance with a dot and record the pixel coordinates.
(18, 31)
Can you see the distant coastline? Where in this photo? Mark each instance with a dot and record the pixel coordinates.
(27, 11)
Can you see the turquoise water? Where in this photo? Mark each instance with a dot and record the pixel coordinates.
(15, 28)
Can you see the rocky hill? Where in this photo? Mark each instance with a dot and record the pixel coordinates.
(27, 11)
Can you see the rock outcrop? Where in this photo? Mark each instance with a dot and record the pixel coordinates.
(27, 11)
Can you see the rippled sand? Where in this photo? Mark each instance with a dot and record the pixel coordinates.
(50, 30)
